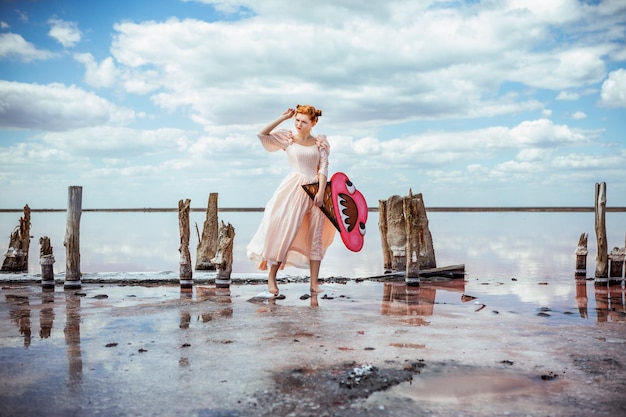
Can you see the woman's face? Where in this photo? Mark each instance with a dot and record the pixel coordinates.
(303, 123)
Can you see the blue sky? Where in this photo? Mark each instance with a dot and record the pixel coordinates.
(472, 103)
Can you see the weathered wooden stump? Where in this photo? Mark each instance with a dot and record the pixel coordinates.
(412, 251)
(396, 232)
(72, 237)
(207, 244)
(616, 265)
(382, 226)
(602, 266)
(186, 274)
(224, 256)
(16, 257)
(46, 260)
(406, 245)
(581, 257)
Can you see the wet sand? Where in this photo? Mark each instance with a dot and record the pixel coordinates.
(362, 348)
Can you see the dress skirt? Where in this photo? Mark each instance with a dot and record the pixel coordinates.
(293, 230)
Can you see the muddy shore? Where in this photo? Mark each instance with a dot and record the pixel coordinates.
(355, 350)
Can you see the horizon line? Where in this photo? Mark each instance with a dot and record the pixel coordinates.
(570, 209)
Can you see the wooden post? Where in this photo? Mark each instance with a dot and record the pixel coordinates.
(46, 260)
(411, 221)
(207, 244)
(616, 265)
(186, 278)
(602, 267)
(581, 257)
(16, 257)
(224, 257)
(426, 248)
(382, 226)
(396, 232)
(72, 237)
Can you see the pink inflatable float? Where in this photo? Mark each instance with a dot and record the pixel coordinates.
(345, 207)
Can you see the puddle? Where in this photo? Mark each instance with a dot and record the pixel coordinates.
(478, 386)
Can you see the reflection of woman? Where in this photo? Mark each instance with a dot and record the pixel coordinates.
(293, 232)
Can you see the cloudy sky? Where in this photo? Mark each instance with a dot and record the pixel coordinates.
(472, 103)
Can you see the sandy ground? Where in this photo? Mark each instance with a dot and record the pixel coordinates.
(359, 349)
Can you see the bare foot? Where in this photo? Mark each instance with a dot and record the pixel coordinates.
(314, 302)
(272, 289)
(316, 290)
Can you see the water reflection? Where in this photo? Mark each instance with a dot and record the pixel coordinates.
(581, 297)
(185, 316)
(400, 299)
(19, 311)
(218, 296)
(534, 245)
(72, 339)
(46, 315)
(610, 303)
(213, 308)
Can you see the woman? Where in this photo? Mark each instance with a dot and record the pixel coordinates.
(294, 231)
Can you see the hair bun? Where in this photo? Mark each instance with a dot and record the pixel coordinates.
(309, 110)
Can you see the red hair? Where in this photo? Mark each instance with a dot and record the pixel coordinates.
(309, 110)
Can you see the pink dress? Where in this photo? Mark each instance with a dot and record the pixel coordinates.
(293, 230)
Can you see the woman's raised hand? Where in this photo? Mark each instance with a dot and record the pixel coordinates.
(288, 114)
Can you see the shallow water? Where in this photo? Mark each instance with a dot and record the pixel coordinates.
(103, 347)
(532, 245)
(519, 314)
(514, 260)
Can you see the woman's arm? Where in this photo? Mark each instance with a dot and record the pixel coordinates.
(288, 114)
(319, 197)
(322, 171)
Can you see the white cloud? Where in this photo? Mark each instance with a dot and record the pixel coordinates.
(367, 146)
(22, 16)
(561, 69)
(412, 92)
(98, 75)
(614, 89)
(544, 132)
(55, 107)
(14, 46)
(4, 25)
(395, 61)
(567, 96)
(578, 161)
(532, 154)
(116, 142)
(530, 141)
(555, 11)
(66, 33)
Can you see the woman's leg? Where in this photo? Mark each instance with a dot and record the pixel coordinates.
(315, 272)
(272, 286)
(317, 250)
